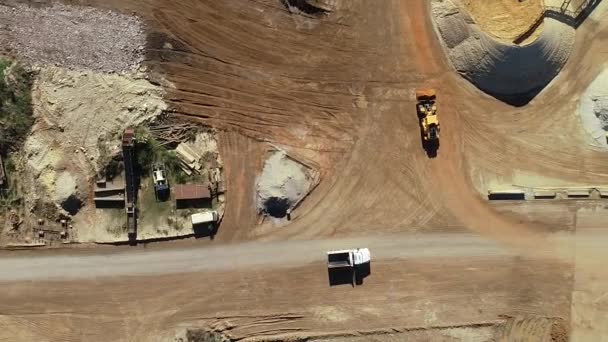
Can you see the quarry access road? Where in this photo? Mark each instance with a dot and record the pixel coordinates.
(338, 92)
(263, 256)
(274, 288)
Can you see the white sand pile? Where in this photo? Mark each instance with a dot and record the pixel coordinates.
(594, 110)
(514, 74)
(283, 183)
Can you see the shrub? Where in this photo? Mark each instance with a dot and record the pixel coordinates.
(15, 106)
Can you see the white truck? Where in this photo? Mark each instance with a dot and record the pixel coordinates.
(354, 262)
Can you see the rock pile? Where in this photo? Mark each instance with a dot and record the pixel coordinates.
(594, 110)
(72, 36)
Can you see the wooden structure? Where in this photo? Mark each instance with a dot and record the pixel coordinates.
(192, 196)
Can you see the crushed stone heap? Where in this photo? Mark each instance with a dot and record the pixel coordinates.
(284, 182)
(593, 110)
(72, 36)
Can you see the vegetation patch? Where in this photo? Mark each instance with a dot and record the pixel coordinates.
(204, 335)
(16, 117)
(16, 120)
(150, 151)
(9, 198)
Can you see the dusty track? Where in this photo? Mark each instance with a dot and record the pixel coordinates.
(339, 92)
(421, 292)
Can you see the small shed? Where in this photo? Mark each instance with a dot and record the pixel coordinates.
(192, 196)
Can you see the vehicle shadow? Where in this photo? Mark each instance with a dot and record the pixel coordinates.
(362, 272)
(430, 147)
(207, 230)
(348, 276)
(340, 276)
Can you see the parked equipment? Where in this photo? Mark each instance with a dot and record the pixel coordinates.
(205, 223)
(161, 185)
(427, 113)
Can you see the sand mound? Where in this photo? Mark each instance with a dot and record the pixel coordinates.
(283, 183)
(514, 74)
(593, 110)
(506, 20)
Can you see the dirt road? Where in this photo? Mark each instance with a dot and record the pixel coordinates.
(239, 257)
(339, 91)
(416, 282)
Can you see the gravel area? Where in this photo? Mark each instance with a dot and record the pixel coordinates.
(73, 37)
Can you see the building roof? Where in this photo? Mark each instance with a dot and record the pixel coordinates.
(191, 192)
(204, 217)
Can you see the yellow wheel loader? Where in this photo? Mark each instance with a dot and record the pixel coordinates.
(427, 113)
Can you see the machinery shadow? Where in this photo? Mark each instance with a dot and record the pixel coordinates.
(430, 147)
(572, 18)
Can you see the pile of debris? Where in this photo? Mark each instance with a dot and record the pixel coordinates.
(171, 132)
(201, 156)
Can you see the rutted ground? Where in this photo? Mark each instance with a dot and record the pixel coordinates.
(258, 73)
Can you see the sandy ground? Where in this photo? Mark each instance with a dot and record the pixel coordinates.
(266, 76)
(506, 20)
(79, 119)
